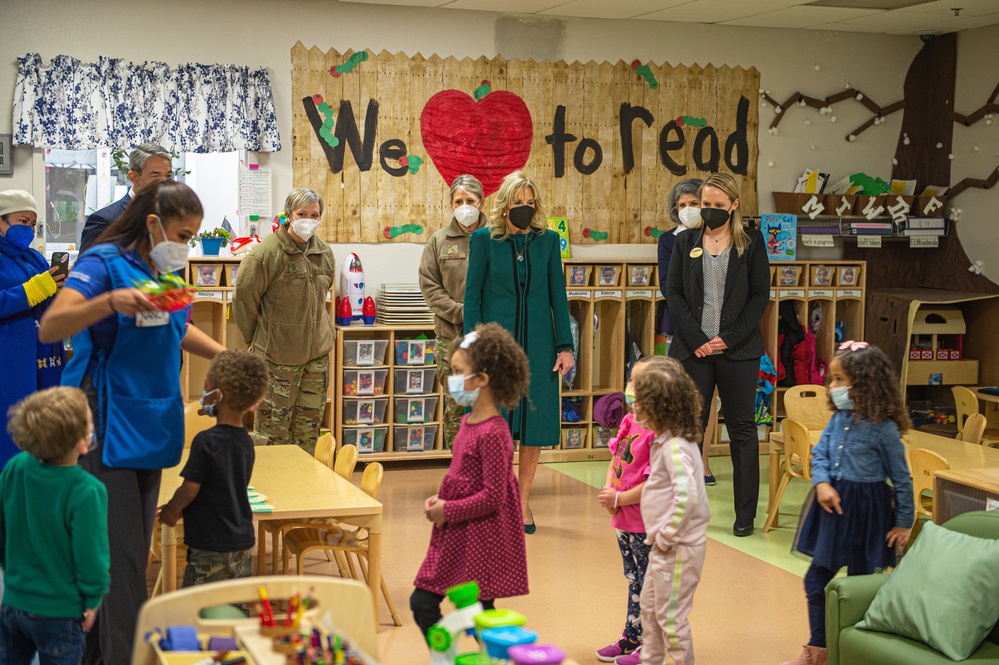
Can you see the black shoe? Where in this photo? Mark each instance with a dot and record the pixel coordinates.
(742, 531)
(530, 528)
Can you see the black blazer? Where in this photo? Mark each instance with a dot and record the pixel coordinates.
(747, 292)
(100, 220)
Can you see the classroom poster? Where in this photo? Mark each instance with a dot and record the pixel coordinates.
(781, 233)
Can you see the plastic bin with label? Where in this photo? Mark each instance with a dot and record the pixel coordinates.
(361, 382)
(363, 411)
(367, 439)
(414, 381)
(415, 410)
(402, 352)
(403, 436)
(364, 352)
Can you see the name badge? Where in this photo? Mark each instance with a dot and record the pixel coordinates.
(696, 252)
(151, 319)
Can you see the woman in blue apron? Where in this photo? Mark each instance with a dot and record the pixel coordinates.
(126, 357)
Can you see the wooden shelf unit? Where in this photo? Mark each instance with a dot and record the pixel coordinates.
(839, 302)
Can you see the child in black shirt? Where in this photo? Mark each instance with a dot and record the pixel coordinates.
(218, 523)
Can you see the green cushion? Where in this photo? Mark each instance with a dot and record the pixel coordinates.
(865, 647)
(944, 592)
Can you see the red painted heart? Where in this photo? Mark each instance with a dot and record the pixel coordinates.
(489, 139)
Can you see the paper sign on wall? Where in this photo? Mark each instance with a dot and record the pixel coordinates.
(560, 225)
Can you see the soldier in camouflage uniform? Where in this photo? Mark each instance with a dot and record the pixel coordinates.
(442, 280)
(280, 307)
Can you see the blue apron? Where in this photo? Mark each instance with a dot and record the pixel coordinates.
(141, 413)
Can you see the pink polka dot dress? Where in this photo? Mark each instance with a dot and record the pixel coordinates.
(483, 538)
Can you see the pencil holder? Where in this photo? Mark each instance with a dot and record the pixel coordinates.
(278, 630)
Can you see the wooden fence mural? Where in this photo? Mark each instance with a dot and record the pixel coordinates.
(380, 136)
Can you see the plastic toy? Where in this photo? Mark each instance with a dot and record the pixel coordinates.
(279, 219)
(243, 244)
(169, 294)
(443, 637)
(352, 285)
(368, 311)
(343, 312)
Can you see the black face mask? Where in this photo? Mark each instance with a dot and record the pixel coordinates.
(715, 217)
(521, 216)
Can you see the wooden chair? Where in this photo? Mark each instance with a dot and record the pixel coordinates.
(965, 404)
(343, 466)
(807, 405)
(341, 542)
(195, 422)
(797, 463)
(348, 602)
(923, 464)
(974, 429)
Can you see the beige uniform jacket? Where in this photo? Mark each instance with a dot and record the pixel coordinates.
(280, 299)
(442, 276)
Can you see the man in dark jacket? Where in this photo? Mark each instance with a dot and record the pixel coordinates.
(147, 163)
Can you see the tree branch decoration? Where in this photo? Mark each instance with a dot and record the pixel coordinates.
(825, 106)
(987, 183)
(985, 111)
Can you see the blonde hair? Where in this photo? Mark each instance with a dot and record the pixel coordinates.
(512, 184)
(49, 423)
(727, 184)
(469, 183)
(669, 399)
(301, 197)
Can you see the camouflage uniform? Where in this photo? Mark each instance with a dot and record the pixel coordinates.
(204, 566)
(292, 409)
(451, 411)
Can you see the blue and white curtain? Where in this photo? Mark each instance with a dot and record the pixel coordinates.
(77, 105)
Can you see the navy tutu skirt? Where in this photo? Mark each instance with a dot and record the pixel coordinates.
(855, 539)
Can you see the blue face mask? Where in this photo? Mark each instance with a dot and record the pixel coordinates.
(209, 409)
(456, 386)
(840, 396)
(20, 235)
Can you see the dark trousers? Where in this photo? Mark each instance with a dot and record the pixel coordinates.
(816, 580)
(132, 498)
(426, 607)
(736, 383)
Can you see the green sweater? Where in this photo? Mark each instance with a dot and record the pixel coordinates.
(53, 538)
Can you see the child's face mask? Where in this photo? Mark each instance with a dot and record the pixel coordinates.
(209, 409)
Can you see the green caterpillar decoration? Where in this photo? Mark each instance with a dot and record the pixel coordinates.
(347, 67)
(326, 131)
(392, 232)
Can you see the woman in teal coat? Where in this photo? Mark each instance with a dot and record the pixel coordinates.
(515, 279)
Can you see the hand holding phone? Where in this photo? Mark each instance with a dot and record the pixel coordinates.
(60, 266)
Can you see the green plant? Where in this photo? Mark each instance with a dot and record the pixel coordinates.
(217, 232)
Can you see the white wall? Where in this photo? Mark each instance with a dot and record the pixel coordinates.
(259, 33)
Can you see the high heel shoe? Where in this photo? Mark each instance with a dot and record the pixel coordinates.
(530, 528)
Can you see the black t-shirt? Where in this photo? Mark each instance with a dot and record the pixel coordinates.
(219, 519)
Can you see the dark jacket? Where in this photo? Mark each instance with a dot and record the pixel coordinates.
(100, 220)
(747, 292)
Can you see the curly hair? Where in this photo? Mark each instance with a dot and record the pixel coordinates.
(497, 354)
(241, 376)
(49, 423)
(873, 386)
(669, 399)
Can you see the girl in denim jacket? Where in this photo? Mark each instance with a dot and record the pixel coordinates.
(852, 517)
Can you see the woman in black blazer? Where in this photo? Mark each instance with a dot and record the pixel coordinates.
(716, 291)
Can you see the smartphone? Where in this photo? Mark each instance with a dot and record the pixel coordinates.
(60, 260)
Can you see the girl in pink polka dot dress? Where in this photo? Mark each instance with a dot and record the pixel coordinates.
(478, 531)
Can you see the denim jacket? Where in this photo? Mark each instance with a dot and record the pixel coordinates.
(865, 452)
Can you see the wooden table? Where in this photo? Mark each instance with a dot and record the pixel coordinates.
(959, 455)
(298, 487)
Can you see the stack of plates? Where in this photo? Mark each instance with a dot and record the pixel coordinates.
(403, 304)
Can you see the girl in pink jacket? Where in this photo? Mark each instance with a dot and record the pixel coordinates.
(674, 509)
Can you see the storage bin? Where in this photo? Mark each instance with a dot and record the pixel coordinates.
(364, 352)
(360, 382)
(367, 439)
(364, 411)
(414, 381)
(407, 439)
(419, 351)
(415, 410)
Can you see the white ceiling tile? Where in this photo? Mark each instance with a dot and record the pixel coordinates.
(508, 6)
(891, 21)
(706, 11)
(803, 16)
(401, 3)
(946, 8)
(952, 25)
(619, 9)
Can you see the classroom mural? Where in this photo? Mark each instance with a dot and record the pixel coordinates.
(381, 136)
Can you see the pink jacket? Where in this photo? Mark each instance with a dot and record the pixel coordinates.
(674, 504)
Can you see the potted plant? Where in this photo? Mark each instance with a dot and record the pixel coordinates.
(212, 241)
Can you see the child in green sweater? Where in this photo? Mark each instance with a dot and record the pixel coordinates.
(53, 531)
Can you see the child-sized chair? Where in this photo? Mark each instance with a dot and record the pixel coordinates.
(348, 602)
(343, 466)
(195, 422)
(923, 465)
(341, 541)
(797, 463)
(974, 429)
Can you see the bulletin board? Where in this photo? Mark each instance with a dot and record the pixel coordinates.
(381, 136)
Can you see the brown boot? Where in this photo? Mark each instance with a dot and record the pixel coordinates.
(811, 656)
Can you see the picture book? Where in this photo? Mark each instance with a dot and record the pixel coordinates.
(780, 232)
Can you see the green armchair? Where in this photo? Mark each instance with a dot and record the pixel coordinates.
(847, 599)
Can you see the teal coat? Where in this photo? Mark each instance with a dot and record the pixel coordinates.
(535, 312)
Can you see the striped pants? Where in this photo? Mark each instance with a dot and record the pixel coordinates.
(667, 598)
